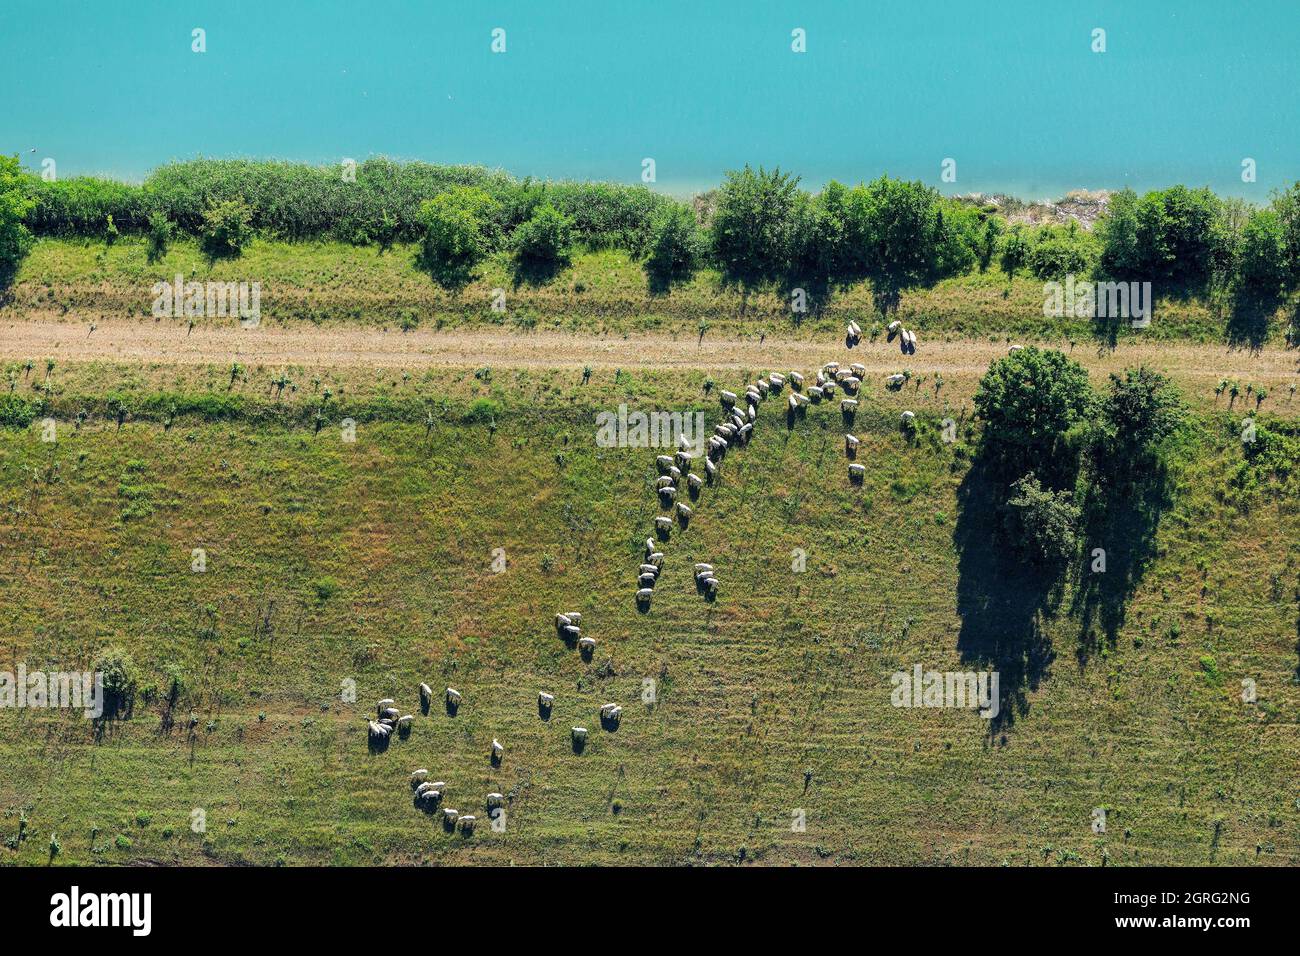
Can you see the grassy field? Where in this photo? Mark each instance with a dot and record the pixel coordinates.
(603, 291)
(371, 561)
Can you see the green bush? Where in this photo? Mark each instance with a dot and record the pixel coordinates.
(226, 229)
(542, 246)
(1058, 251)
(1041, 525)
(83, 205)
(159, 236)
(119, 677)
(16, 411)
(1014, 251)
(676, 249)
(1175, 238)
(482, 411)
(456, 237)
(1141, 411)
(752, 234)
(15, 239)
(1261, 269)
(904, 235)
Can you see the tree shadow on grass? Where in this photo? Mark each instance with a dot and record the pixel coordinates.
(1001, 602)
(1105, 333)
(535, 272)
(1122, 519)
(1248, 320)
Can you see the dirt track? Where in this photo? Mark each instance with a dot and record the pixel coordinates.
(152, 342)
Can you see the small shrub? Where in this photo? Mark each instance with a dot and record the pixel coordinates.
(226, 229)
(159, 237)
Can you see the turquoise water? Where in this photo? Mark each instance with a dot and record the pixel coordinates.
(1010, 90)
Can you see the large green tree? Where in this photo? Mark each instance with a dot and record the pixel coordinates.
(1176, 238)
(904, 235)
(753, 228)
(1029, 402)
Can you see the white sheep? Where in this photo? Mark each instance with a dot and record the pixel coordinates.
(579, 735)
(545, 700)
(728, 398)
(663, 462)
(418, 777)
(857, 471)
(384, 704)
(466, 824)
(426, 696)
(494, 800)
(589, 643)
(849, 405)
(645, 580)
(453, 697)
(497, 750)
(701, 567)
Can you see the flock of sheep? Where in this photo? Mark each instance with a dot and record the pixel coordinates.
(675, 472)
(736, 429)
(429, 795)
